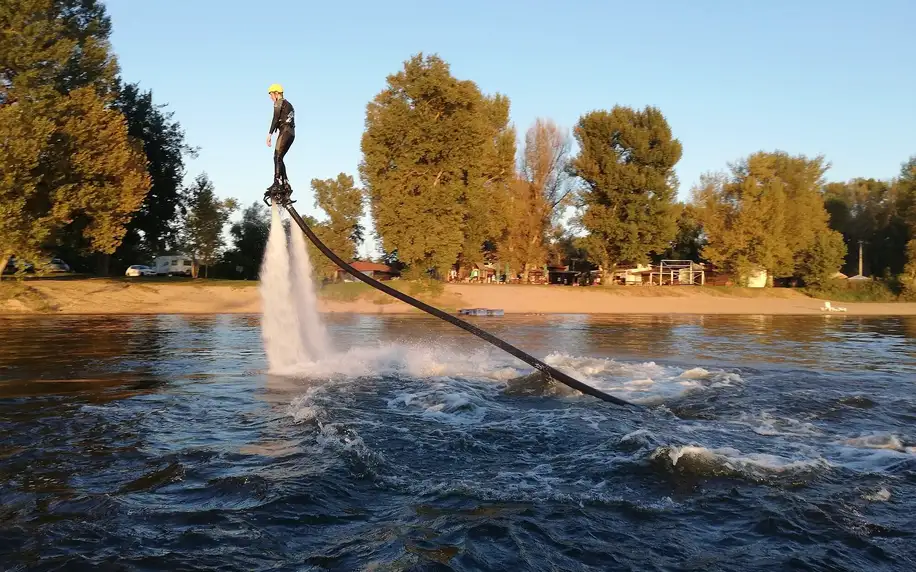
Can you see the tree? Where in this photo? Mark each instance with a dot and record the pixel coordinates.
(542, 187)
(818, 263)
(342, 202)
(435, 151)
(153, 228)
(72, 176)
(769, 213)
(868, 211)
(688, 242)
(626, 164)
(249, 238)
(51, 47)
(905, 187)
(201, 235)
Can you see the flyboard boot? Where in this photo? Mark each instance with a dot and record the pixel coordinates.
(280, 192)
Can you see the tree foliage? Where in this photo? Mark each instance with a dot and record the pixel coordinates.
(536, 195)
(688, 242)
(153, 228)
(343, 232)
(626, 164)
(437, 154)
(72, 176)
(249, 240)
(201, 235)
(769, 213)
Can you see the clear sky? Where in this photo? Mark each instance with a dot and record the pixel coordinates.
(831, 77)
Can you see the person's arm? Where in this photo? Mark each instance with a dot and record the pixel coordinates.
(274, 123)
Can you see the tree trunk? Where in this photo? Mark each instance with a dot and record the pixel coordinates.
(102, 264)
(4, 260)
(607, 273)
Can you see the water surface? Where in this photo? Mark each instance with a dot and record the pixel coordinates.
(160, 443)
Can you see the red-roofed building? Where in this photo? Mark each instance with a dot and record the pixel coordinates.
(372, 269)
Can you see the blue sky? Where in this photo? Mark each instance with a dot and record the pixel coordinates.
(831, 77)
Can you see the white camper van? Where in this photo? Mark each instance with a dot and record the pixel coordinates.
(172, 265)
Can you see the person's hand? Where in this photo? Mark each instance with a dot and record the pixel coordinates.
(268, 140)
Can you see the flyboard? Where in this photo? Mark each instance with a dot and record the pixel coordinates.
(282, 199)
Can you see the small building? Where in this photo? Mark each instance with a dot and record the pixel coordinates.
(372, 269)
(629, 274)
(756, 278)
(562, 275)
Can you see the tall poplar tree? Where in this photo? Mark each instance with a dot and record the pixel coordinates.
(543, 185)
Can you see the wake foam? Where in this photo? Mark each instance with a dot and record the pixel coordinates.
(644, 383)
(730, 462)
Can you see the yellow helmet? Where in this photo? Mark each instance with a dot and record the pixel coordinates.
(276, 87)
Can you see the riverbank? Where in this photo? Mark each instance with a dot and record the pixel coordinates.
(152, 296)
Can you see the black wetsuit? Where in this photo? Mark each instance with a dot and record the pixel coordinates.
(284, 121)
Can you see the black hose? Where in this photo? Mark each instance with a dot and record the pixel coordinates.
(541, 366)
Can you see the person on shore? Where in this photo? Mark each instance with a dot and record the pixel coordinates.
(284, 123)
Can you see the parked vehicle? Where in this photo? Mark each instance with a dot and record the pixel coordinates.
(139, 270)
(57, 265)
(172, 265)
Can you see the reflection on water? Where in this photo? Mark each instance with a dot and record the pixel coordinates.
(159, 442)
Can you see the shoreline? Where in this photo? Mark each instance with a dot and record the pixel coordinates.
(107, 296)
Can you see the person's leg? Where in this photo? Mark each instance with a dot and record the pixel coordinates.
(284, 141)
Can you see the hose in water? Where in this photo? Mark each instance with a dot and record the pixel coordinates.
(531, 360)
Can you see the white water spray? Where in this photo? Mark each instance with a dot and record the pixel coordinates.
(312, 330)
(291, 328)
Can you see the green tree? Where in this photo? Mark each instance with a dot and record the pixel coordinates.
(249, 240)
(72, 177)
(435, 152)
(342, 202)
(51, 47)
(688, 242)
(153, 228)
(819, 261)
(201, 235)
(769, 213)
(905, 191)
(868, 210)
(744, 224)
(626, 165)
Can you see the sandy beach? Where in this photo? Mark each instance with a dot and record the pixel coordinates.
(109, 296)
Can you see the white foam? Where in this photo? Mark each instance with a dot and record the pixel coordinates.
(763, 423)
(443, 403)
(881, 495)
(877, 441)
(645, 383)
(755, 465)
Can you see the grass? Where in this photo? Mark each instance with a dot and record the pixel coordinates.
(344, 291)
(428, 291)
(870, 291)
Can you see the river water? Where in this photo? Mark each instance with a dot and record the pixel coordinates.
(160, 443)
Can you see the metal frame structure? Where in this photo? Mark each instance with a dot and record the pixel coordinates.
(679, 272)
